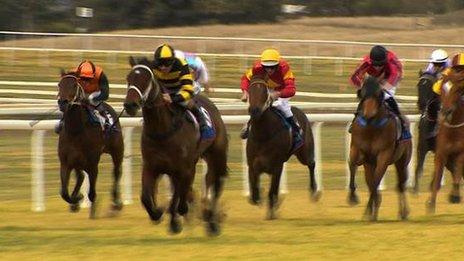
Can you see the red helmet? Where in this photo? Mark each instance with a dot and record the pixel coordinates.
(86, 69)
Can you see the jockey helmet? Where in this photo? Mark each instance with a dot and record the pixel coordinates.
(86, 69)
(270, 57)
(378, 55)
(164, 55)
(458, 60)
(438, 56)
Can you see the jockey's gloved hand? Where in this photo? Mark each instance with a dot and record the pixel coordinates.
(92, 100)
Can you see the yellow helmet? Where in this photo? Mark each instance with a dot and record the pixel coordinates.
(458, 60)
(270, 57)
(164, 55)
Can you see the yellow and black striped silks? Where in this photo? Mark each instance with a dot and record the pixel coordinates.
(178, 81)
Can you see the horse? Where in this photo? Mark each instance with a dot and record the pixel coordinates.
(375, 145)
(429, 106)
(269, 145)
(447, 150)
(171, 145)
(81, 144)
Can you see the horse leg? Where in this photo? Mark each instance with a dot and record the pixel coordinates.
(175, 226)
(185, 186)
(369, 177)
(65, 172)
(77, 191)
(352, 196)
(274, 191)
(308, 160)
(214, 179)
(420, 158)
(253, 180)
(149, 182)
(117, 158)
(380, 169)
(436, 181)
(455, 195)
(402, 174)
(93, 173)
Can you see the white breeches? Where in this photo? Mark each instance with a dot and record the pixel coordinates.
(284, 106)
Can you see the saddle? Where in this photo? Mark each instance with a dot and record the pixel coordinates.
(103, 116)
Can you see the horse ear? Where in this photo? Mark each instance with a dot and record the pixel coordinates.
(62, 72)
(132, 61)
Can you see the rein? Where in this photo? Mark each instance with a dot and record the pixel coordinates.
(268, 101)
(79, 94)
(176, 122)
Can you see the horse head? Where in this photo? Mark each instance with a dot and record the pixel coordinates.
(142, 87)
(425, 91)
(259, 98)
(371, 98)
(451, 101)
(70, 92)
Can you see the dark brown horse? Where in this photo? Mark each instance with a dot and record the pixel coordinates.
(81, 144)
(374, 145)
(269, 145)
(171, 145)
(448, 145)
(429, 105)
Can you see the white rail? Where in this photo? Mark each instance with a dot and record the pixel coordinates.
(242, 39)
(37, 155)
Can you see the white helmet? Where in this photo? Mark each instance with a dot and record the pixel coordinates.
(179, 54)
(439, 56)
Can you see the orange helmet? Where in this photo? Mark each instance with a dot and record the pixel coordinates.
(86, 69)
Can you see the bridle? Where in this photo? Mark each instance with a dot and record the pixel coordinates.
(79, 95)
(144, 96)
(269, 100)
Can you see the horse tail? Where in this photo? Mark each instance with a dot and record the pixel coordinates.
(309, 142)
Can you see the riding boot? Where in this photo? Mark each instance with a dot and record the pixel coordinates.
(206, 131)
(296, 133)
(245, 131)
(105, 114)
(391, 102)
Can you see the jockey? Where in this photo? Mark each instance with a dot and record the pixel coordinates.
(174, 75)
(281, 81)
(198, 69)
(455, 73)
(438, 63)
(96, 88)
(385, 66)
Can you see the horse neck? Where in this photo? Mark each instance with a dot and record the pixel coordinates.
(264, 126)
(158, 117)
(458, 114)
(75, 120)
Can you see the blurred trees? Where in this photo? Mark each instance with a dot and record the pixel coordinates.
(59, 15)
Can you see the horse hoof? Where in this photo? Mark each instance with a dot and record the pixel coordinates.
(353, 199)
(454, 199)
(117, 206)
(74, 208)
(254, 202)
(212, 229)
(404, 214)
(271, 215)
(156, 215)
(175, 227)
(315, 196)
(183, 208)
(415, 190)
(430, 206)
